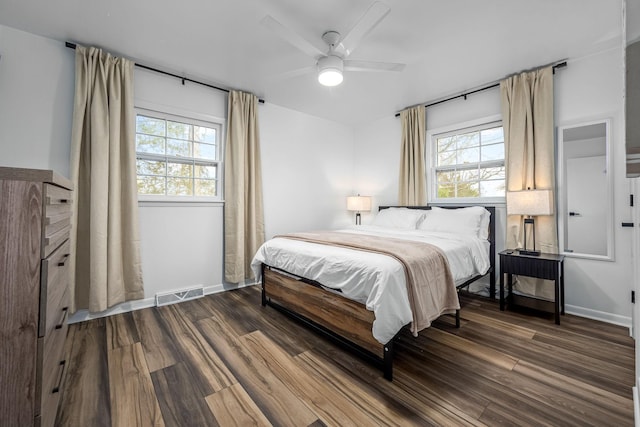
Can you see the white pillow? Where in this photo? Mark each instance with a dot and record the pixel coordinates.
(399, 218)
(473, 220)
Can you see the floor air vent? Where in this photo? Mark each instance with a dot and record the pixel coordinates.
(167, 298)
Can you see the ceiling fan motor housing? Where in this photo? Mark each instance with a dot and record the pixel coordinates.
(332, 38)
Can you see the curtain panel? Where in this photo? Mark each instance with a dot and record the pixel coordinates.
(105, 263)
(243, 211)
(527, 118)
(413, 180)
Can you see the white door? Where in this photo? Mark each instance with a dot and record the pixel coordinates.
(587, 205)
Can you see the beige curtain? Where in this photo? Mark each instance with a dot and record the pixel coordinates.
(413, 181)
(106, 262)
(243, 212)
(527, 117)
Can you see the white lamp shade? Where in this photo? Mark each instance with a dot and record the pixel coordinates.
(330, 70)
(530, 202)
(359, 203)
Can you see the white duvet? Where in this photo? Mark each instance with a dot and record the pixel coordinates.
(375, 280)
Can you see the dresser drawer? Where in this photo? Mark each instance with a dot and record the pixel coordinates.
(54, 280)
(57, 217)
(51, 374)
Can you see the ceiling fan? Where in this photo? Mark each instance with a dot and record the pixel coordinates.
(332, 63)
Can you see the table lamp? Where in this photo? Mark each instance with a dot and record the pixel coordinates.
(530, 203)
(359, 204)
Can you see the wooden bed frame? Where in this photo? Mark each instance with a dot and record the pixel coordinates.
(348, 323)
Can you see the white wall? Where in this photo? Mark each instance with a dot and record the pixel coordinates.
(36, 101)
(307, 168)
(589, 88)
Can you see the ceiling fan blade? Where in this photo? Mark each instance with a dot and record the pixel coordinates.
(367, 22)
(296, 73)
(289, 36)
(354, 65)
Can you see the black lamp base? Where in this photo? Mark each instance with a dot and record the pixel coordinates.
(530, 253)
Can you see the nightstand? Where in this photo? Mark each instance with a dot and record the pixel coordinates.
(544, 266)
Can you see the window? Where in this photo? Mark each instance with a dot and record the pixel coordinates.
(177, 158)
(469, 163)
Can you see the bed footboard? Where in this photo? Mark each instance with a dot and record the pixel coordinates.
(345, 321)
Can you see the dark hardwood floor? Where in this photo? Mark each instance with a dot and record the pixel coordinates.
(225, 360)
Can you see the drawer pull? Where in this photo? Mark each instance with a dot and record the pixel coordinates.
(57, 387)
(64, 200)
(64, 259)
(65, 312)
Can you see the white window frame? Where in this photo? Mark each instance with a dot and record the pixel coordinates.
(431, 153)
(193, 119)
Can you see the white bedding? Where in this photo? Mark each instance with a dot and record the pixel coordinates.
(375, 280)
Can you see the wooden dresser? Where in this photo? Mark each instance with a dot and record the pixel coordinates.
(35, 222)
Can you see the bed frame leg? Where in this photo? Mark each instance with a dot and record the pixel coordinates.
(457, 318)
(264, 294)
(388, 361)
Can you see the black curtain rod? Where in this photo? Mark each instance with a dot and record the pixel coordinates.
(184, 79)
(489, 86)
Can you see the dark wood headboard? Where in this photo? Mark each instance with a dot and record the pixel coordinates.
(492, 236)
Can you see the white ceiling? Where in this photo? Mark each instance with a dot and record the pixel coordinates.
(448, 45)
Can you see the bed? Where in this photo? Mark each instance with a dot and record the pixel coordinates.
(361, 298)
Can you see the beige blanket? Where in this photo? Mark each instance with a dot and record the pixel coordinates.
(430, 285)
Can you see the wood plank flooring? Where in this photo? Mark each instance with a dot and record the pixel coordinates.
(225, 360)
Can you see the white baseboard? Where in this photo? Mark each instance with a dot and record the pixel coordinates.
(82, 315)
(636, 407)
(615, 319)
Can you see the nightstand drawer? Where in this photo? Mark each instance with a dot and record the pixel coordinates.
(530, 266)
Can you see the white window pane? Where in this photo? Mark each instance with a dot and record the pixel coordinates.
(205, 187)
(151, 185)
(446, 191)
(151, 167)
(206, 171)
(492, 152)
(150, 126)
(204, 134)
(491, 136)
(492, 173)
(149, 144)
(467, 140)
(492, 188)
(177, 147)
(469, 155)
(445, 177)
(467, 189)
(445, 144)
(447, 158)
(179, 187)
(180, 169)
(178, 130)
(204, 151)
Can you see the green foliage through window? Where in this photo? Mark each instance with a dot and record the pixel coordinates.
(470, 163)
(176, 158)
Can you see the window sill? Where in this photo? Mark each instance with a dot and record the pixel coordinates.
(491, 201)
(155, 203)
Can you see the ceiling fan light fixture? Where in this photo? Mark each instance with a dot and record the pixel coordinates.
(330, 70)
